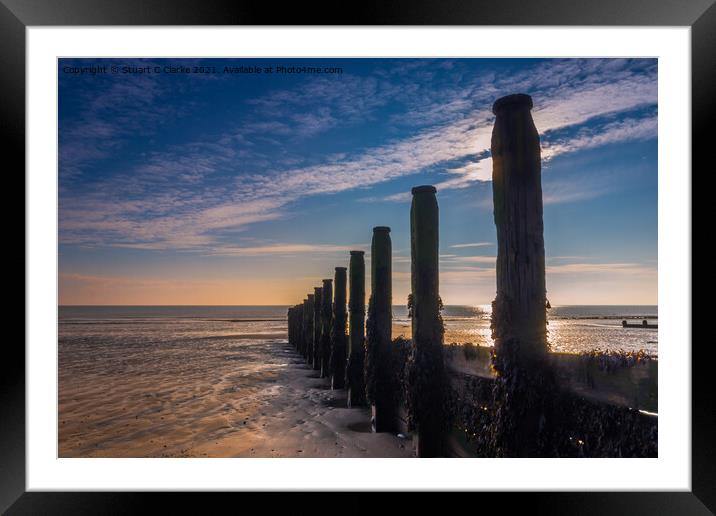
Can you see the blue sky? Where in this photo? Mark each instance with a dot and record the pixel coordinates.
(250, 188)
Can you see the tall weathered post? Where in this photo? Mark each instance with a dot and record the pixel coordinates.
(427, 385)
(326, 325)
(356, 330)
(378, 366)
(339, 339)
(519, 316)
(317, 330)
(308, 328)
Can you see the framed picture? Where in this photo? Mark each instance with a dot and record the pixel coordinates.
(445, 248)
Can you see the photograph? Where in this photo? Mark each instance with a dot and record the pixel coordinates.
(357, 257)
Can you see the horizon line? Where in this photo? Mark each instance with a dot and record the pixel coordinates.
(279, 305)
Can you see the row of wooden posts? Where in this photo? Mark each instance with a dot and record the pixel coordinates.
(333, 340)
(530, 413)
(317, 327)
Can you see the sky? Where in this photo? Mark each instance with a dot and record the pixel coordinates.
(224, 187)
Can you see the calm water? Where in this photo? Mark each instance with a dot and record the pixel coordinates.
(571, 328)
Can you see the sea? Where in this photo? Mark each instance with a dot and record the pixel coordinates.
(570, 328)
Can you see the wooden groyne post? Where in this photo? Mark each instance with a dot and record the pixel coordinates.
(295, 326)
(519, 316)
(378, 334)
(289, 318)
(339, 339)
(301, 328)
(521, 300)
(303, 322)
(427, 378)
(355, 381)
(326, 324)
(308, 328)
(317, 331)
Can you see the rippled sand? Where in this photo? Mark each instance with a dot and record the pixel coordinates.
(211, 398)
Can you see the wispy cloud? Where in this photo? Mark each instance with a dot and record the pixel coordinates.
(571, 190)
(474, 244)
(630, 129)
(476, 259)
(566, 257)
(108, 117)
(286, 249)
(191, 195)
(600, 268)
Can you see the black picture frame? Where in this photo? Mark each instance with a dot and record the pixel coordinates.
(17, 15)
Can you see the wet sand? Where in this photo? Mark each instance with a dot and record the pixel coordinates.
(214, 398)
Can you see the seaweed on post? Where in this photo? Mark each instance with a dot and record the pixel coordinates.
(427, 385)
(525, 388)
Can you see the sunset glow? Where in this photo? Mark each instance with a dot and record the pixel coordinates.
(250, 188)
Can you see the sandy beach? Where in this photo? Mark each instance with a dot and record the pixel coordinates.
(216, 398)
(223, 382)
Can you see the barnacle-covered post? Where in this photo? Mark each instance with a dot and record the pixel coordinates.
(519, 315)
(339, 339)
(356, 330)
(427, 371)
(326, 323)
(315, 360)
(378, 335)
(308, 328)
